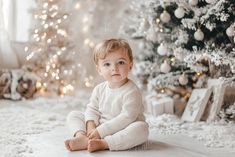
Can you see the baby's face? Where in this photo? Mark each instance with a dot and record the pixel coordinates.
(115, 67)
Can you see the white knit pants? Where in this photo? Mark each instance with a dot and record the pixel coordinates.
(134, 134)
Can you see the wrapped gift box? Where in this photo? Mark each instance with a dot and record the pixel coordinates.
(158, 106)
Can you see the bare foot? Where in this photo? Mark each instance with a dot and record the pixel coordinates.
(97, 144)
(79, 142)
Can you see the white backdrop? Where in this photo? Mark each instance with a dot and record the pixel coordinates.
(94, 21)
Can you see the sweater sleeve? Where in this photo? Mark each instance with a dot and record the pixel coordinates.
(92, 111)
(132, 105)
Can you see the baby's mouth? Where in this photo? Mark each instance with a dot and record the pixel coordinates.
(116, 75)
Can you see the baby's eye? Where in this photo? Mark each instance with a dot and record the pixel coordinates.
(121, 62)
(106, 64)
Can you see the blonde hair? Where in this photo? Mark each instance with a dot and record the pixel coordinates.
(108, 46)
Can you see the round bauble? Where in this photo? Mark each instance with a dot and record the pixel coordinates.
(162, 50)
(230, 31)
(165, 67)
(165, 17)
(179, 12)
(199, 35)
(183, 79)
(193, 2)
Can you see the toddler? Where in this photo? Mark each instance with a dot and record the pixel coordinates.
(114, 117)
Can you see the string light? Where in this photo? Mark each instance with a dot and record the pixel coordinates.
(54, 64)
(77, 6)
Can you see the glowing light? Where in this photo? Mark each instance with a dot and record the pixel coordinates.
(48, 40)
(30, 56)
(44, 17)
(173, 59)
(38, 84)
(85, 29)
(51, 23)
(59, 21)
(86, 41)
(62, 32)
(89, 81)
(91, 44)
(77, 6)
(47, 68)
(37, 39)
(199, 74)
(158, 20)
(65, 16)
(36, 16)
(45, 5)
(58, 52)
(66, 89)
(85, 19)
(26, 48)
(63, 48)
(45, 74)
(46, 26)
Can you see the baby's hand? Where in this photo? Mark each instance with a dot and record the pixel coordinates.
(94, 134)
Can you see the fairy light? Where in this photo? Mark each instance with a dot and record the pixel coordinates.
(26, 48)
(85, 19)
(199, 74)
(65, 16)
(38, 85)
(57, 72)
(30, 56)
(59, 21)
(45, 74)
(86, 41)
(48, 41)
(45, 5)
(77, 6)
(162, 90)
(85, 29)
(89, 81)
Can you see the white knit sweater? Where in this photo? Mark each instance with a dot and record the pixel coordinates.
(114, 109)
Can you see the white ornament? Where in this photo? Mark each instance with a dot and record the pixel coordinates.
(162, 50)
(179, 12)
(165, 17)
(210, 1)
(193, 2)
(165, 67)
(230, 31)
(199, 35)
(183, 79)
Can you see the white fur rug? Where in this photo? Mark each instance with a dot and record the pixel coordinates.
(30, 128)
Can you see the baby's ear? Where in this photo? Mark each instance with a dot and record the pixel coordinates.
(131, 65)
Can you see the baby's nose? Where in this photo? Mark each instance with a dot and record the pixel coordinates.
(114, 67)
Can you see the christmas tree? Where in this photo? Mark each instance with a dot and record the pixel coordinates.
(52, 53)
(183, 43)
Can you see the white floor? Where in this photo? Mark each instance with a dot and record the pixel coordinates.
(51, 144)
(36, 128)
